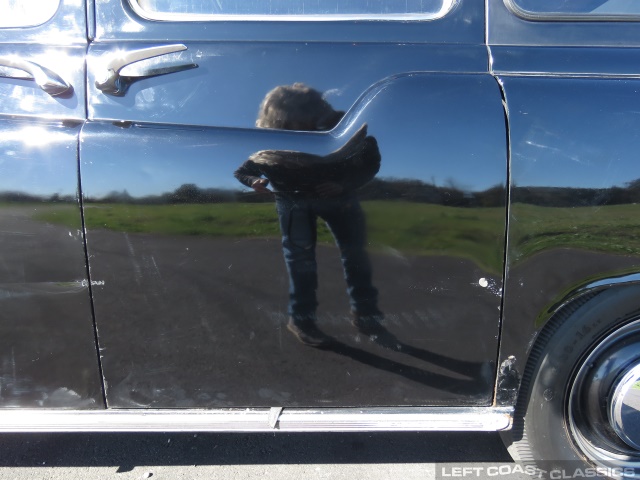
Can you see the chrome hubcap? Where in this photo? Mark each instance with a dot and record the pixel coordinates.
(603, 411)
(624, 407)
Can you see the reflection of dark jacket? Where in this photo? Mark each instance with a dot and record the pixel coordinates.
(351, 167)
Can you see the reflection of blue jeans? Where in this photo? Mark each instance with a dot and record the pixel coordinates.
(344, 217)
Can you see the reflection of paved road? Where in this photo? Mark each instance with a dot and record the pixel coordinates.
(47, 346)
(632, 400)
(34, 251)
(199, 321)
(193, 321)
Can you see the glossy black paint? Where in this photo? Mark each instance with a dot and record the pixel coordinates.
(574, 197)
(67, 27)
(574, 194)
(565, 61)
(190, 264)
(48, 350)
(233, 77)
(186, 264)
(22, 97)
(115, 21)
(506, 28)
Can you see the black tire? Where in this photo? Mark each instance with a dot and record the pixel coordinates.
(561, 422)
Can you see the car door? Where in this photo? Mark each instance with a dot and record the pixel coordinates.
(570, 76)
(192, 293)
(48, 355)
(570, 82)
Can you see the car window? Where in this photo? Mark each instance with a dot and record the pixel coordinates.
(586, 9)
(18, 13)
(291, 9)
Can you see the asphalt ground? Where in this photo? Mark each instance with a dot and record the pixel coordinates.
(371, 456)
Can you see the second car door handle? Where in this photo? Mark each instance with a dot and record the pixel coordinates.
(115, 83)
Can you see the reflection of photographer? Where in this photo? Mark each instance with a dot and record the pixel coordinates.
(309, 186)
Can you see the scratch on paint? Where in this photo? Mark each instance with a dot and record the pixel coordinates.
(155, 265)
(13, 365)
(136, 267)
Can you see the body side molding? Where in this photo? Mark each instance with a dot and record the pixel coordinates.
(256, 420)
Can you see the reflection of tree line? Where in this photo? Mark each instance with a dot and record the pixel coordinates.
(378, 189)
(412, 191)
(577, 197)
(21, 197)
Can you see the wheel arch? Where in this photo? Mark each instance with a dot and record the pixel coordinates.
(516, 363)
(616, 300)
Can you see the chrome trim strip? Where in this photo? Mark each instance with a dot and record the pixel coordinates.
(447, 6)
(425, 419)
(258, 420)
(624, 76)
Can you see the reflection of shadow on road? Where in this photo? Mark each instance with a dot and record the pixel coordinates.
(473, 371)
(219, 338)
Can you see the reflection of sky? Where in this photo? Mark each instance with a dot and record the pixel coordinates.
(574, 132)
(434, 129)
(18, 13)
(232, 78)
(619, 7)
(38, 160)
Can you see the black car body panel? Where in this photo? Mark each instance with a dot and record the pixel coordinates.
(476, 169)
(49, 356)
(194, 295)
(571, 92)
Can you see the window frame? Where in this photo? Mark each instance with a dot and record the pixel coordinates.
(513, 7)
(447, 7)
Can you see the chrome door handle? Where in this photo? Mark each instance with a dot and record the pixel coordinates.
(47, 80)
(114, 83)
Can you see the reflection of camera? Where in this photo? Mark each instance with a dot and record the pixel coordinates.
(351, 166)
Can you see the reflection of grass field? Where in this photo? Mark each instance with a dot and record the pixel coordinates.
(66, 213)
(612, 228)
(475, 233)
(411, 228)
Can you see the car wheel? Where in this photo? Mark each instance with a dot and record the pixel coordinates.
(578, 411)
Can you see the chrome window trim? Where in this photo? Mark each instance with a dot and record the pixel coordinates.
(259, 420)
(514, 8)
(38, 23)
(447, 7)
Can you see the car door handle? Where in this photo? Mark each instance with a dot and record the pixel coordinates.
(47, 80)
(117, 84)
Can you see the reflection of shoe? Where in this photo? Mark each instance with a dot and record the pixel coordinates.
(370, 324)
(306, 331)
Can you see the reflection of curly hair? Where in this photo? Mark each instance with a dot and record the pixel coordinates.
(296, 107)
